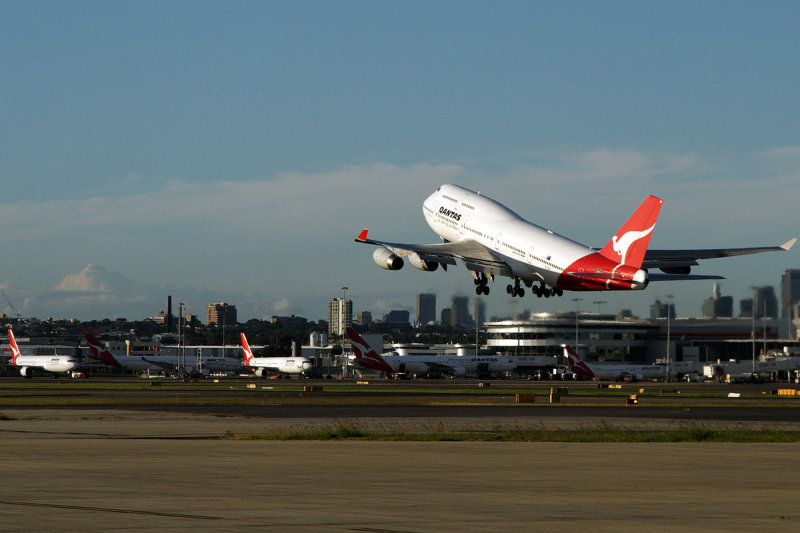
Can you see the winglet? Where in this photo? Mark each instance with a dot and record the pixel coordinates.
(786, 246)
(362, 237)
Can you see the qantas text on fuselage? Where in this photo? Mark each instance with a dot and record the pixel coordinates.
(492, 240)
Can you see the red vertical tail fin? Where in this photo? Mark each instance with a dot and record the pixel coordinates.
(576, 364)
(365, 354)
(14, 348)
(248, 353)
(101, 352)
(629, 244)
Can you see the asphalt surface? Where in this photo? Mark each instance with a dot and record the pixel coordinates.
(77, 457)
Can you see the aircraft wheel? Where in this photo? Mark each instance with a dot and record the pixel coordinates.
(478, 290)
(559, 292)
(485, 290)
(520, 292)
(509, 289)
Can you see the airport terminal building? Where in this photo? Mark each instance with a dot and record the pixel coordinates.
(537, 342)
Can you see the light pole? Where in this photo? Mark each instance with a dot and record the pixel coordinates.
(342, 326)
(180, 337)
(577, 312)
(669, 316)
(598, 304)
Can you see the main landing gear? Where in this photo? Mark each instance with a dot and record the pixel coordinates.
(515, 290)
(481, 284)
(540, 291)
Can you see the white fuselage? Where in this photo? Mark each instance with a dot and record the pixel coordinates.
(171, 362)
(283, 365)
(533, 253)
(611, 371)
(48, 363)
(457, 364)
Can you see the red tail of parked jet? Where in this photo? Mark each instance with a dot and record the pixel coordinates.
(101, 352)
(576, 364)
(365, 354)
(15, 353)
(248, 353)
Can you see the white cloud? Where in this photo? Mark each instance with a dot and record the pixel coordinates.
(290, 236)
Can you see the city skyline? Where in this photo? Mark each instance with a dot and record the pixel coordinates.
(235, 158)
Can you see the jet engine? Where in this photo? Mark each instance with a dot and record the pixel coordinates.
(261, 372)
(421, 264)
(677, 270)
(26, 372)
(387, 259)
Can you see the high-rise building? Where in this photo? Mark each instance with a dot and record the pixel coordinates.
(662, 310)
(790, 294)
(397, 316)
(426, 309)
(220, 313)
(460, 312)
(718, 306)
(365, 319)
(340, 316)
(765, 304)
(446, 317)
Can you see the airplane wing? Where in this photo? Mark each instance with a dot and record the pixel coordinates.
(438, 366)
(671, 259)
(475, 256)
(161, 364)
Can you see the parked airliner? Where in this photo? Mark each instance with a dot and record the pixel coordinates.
(27, 364)
(262, 366)
(617, 372)
(455, 365)
(168, 363)
(491, 240)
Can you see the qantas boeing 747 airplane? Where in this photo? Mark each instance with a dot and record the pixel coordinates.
(491, 240)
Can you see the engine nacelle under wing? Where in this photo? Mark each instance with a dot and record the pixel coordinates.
(386, 259)
(676, 270)
(421, 264)
(26, 372)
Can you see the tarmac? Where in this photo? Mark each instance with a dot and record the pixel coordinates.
(116, 469)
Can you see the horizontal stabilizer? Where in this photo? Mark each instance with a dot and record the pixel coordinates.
(680, 277)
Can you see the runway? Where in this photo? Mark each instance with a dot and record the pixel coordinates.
(116, 461)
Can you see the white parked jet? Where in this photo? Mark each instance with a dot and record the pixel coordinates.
(456, 365)
(616, 372)
(282, 365)
(492, 240)
(27, 364)
(168, 364)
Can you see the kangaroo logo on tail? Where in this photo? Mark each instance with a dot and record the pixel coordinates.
(15, 353)
(365, 354)
(629, 245)
(101, 352)
(248, 353)
(576, 364)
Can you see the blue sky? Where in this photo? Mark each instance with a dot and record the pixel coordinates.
(232, 150)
